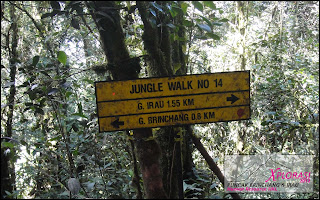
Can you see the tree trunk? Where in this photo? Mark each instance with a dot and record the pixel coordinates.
(7, 163)
(213, 166)
(123, 67)
(157, 44)
(242, 24)
(166, 58)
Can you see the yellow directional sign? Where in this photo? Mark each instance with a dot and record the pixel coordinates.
(164, 104)
(167, 101)
(174, 118)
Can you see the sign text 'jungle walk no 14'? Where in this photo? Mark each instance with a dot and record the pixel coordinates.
(168, 101)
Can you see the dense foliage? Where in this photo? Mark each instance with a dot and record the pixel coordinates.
(51, 56)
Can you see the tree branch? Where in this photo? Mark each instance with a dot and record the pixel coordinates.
(32, 19)
(40, 29)
(213, 166)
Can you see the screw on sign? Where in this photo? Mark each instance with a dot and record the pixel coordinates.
(240, 112)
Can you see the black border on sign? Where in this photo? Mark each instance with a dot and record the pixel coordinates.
(95, 90)
(178, 95)
(148, 78)
(167, 111)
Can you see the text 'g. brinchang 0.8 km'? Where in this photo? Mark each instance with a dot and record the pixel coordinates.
(167, 101)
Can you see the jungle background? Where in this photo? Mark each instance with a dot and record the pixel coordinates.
(53, 52)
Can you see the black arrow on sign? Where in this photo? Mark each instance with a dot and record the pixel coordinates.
(116, 123)
(232, 98)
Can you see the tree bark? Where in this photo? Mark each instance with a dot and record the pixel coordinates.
(7, 163)
(242, 24)
(149, 154)
(157, 44)
(164, 55)
(123, 67)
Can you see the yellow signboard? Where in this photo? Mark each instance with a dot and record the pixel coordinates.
(155, 102)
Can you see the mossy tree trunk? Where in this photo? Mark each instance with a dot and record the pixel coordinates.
(7, 153)
(159, 160)
(166, 58)
(124, 67)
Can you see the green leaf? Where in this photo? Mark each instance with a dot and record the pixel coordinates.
(206, 20)
(201, 37)
(171, 26)
(187, 23)
(177, 9)
(79, 108)
(176, 67)
(213, 36)
(39, 111)
(172, 36)
(204, 27)
(105, 15)
(184, 48)
(173, 10)
(223, 20)
(55, 5)
(45, 15)
(56, 138)
(68, 93)
(32, 94)
(198, 5)
(190, 187)
(9, 194)
(62, 57)
(65, 193)
(7, 144)
(184, 7)
(264, 43)
(264, 123)
(34, 86)
(8, 84)
(75, 128)
(75, 152)
(90, 185)
(88, 80)
(217, 24)
(24, 143)
(79, 9)
(157, 6)
(79, 115)
(213, 185)
(35, 60)
(66, 84)
(210, 4)
(75, 24)
(153, 22)
(53, 91)
(153, 12)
